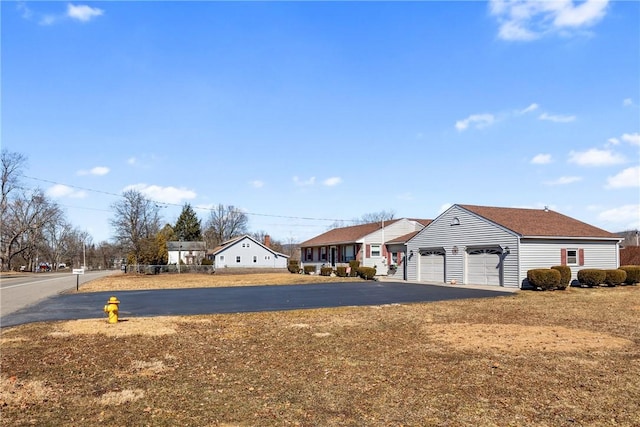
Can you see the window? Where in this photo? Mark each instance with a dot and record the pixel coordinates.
(309, 254)
(572, 256)
(323, 253)
(221, 258)
(455, 221)
(375, 250)
(238, 259)
(255, 258)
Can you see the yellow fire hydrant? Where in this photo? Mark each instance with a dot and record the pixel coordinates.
(112, 310)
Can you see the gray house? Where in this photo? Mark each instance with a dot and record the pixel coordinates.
(497, 246)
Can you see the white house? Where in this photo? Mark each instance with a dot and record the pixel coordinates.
(191, 253)
(497, 246)
(246, 252)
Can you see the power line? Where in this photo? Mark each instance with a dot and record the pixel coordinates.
(159, 204)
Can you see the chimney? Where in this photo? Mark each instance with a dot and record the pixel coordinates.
(267, 241)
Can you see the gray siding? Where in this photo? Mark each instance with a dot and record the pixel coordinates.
(539, 253)
(471, 232)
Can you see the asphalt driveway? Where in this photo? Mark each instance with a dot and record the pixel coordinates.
(164, 302)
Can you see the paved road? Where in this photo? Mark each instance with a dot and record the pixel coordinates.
(239, 299)
(19, 291)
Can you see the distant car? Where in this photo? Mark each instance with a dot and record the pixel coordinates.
(62, 265)
(23, 268)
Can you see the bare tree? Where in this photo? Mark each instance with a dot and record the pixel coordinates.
(375, 217)
(12, 164)
(223, 224)
(136, 223)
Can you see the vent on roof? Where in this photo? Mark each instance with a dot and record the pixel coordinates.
(546, 208)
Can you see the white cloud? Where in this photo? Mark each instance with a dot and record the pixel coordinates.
(60, 190)
(529, 109)
(24, 10)
(627, 217)
(333, 181)
(256, 183)
(595, 157)
(564, 180)
(169, 194)
(613, 141)
(98, 170)
(480, 121)
(556, 118)
(132, 161)
(48, 20)
(526, 20)
(541, 159)
(632, 138)
(444, 207)
(300, 183)
(629, 177)
(83, 13)
(627, 102)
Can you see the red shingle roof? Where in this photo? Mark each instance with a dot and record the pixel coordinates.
(538, 222)
(344, 234)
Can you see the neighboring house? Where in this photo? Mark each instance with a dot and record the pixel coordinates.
(497, 246)
(247, 252)
(374, 245)
(191, 253)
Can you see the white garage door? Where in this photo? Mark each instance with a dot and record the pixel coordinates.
(483, 267)
(432, 266)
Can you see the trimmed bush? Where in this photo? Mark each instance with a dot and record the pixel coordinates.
(293, 266)
(326, 271)
(309, 269)
(341, 271)
(544, 278)
(354, 265)
(367, 273)
(615, 277)
(633, 274)
(565, 275)
(591, 277)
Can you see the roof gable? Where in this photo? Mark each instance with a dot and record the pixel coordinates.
(538, 222)
(234, 241)
(175, 246)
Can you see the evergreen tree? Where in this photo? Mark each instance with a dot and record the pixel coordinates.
(188, 225)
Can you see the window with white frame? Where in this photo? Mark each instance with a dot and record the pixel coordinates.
(238, 259)
(572, 257)
(309, 254)
(375, 250)
(221, 258)
(255, 258)
(323, 253)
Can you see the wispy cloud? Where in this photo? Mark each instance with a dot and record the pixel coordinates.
(595, 157)
(564, 180)
(529, 109)
(163, 194)
(627, 102)
(526, 20)
(556, 118)
(626, 215)
(628, 178)
(59, 191)
(332, 182)
(83, 13)
(479, 121)
(632, 138)
(256, 183)
(98, 171)
(304, 183)
(541, 159)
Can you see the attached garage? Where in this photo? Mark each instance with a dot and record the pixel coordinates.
(484, 266)
(432, 265)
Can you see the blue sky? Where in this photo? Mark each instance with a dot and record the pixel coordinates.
(303, 113)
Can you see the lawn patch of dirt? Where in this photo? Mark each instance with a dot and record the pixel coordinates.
(545, 359)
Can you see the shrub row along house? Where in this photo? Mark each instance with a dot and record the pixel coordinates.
(470, 245)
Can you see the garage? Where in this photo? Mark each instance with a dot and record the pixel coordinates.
(432, 265)
(484, 266)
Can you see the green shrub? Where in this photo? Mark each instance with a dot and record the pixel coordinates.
(326, 271)
(615, 277)
(544, 278)
(633, 274)
(293, 266)
(206, 261)
(591, 277)
(309, 269)
(354, 265)
(565, 275)
(367, 273)
(341, 271)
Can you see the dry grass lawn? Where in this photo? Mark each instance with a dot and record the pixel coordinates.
(568, 358)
